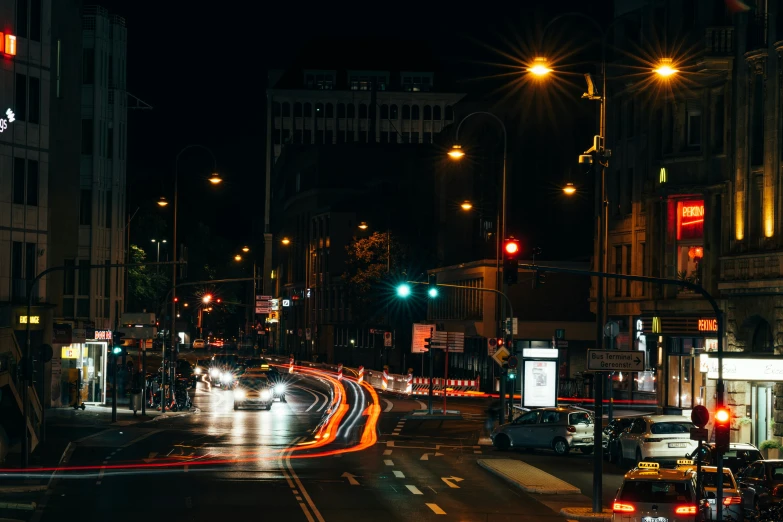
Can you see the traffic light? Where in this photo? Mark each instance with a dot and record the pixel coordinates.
(116, 343)
(539, 279)
(512, 373)
(510, 260)
(403, 290)
(432, 289)
(722, 430)
(427, 343)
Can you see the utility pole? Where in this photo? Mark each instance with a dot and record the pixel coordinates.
(114, 365)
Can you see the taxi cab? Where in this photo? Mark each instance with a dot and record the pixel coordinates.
(652, 494)
(253, 389)
(732, 496)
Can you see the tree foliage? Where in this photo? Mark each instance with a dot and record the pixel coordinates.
(370, 264)
(146, 286)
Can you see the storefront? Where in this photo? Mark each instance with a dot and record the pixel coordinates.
(83, 360)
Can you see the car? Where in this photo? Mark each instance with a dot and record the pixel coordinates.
(253, 389)
(560, 429)
(223, 370)
(651, 494)
(761, 484)
(732, 498)
(257, 365)
(201, 369)
(739, 456)
(187, 371)
(660, 438)
(199, 344)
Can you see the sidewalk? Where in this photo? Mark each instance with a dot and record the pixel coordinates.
(557, 494)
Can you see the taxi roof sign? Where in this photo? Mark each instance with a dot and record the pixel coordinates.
(684, 462)
(648, 465)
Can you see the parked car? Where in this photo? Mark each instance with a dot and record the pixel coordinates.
(655, 438)
(199, 344)
(740, 456)
(732, 498)
(761, 484)
(560, 429)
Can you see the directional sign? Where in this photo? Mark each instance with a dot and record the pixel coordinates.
(262, 310)
(615, 361)
(501, 355)
(263, 298)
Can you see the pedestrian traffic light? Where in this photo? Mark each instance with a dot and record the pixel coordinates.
(116, 343)
(722, 430)
(539, 279)
(510, 260)
(432, 289)
(427, 344)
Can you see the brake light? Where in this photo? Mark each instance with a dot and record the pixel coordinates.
(685, 510)
(619, 507)
(571, 429)
(732, 500)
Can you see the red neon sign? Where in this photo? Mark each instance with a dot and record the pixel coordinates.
(690, 219)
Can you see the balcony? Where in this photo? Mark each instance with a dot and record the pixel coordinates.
(719, 41)
(11, 405)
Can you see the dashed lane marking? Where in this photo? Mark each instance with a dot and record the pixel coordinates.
(436, 509)
(389, 406)
(399, 474)
(414, 489)
(387, 452)
(388, 462)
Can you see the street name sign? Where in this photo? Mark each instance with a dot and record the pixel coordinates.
(615, 361)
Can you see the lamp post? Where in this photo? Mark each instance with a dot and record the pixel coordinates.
(157, 268)
(215, 179)
(598, 153)
(457, 153)
(249, 318)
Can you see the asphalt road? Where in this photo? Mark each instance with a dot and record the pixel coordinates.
(218, 464)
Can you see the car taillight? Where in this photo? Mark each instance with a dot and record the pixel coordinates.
(685, 510)
(619, 507)
(571, 429)
(732, 500)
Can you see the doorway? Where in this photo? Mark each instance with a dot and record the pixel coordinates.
(762, 396)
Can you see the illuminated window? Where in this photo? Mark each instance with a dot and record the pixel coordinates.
(690, 239)
(683, 380)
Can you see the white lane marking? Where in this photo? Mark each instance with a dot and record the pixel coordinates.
(422, 405)
(302, 488)
(389, 443)
(436, 509)
(414, 489)
(386, 453)
(389, 406)
(399, 474)
(389, 462)
(311, 392)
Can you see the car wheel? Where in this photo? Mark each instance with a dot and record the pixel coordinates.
(502, 442)
(587, 450)
(639, 457)
(560, 446)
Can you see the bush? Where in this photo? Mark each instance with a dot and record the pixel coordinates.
(770, 444)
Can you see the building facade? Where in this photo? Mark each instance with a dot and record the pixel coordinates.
(344, 106)
(90, 136)
(694, 190)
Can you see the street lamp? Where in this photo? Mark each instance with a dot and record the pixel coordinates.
(665, 68)
(569, 189)
(207, 298)
(285, 241)
(157, 268)
(456, 152)
(162, 202)
(404, 290)
(237, 258)
(363, 225)
(214, 179)
(466, 205)
(245, 249)
(540, 67)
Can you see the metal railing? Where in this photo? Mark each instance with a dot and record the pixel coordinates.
(719, 40)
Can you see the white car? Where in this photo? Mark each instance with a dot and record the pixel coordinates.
(656, 438)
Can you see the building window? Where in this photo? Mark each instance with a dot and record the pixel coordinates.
(415, 112)
(110, 143)
(20, 107)
(428, 112)
(276, 136)
(88, 66)
(329, 137)
(69, 277)
(108, 208)
(87, 136)
(363, 136)
(628, 269)
(319, 110)
(694, 128)
(427, 137)
(19, 181)
(393, 112)
(308, 137)
(30, 255)
(319, 137)
(21, 18)
(308, 110)
(351, 111)
(275, 109)
(690, 240)
(757, 122)
(34, 100)
(286, 109)
(384, 112)
(32, 183)
(684, 382)
(618, 269)
(362, 111)
(643, 258)
(406, 112)
(297, 110)
(414, 137)
(329, 110)
(85, 207)
(436, 113)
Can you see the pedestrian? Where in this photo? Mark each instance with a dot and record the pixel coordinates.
(493, 415)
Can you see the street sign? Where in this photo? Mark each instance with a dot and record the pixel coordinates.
(263, 298)
(615, 361)
(501, 355)
(700, 416)
(611, 329)
(699, 434)
(560, 333)
(455, 341)
(512, 362)
(559, 343)
(274, 304)
(420, 332)
(492, 345)
(262, 310)
(286, 303)
(387, 339)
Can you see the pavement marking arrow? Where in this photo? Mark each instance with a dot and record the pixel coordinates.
(351, 479)
(426, 456)
(450, 481)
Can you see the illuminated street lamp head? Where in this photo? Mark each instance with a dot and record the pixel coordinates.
(404, 290)
(539, 67)
(154, 240)
(456, 152)
(285, 241)
(666, 68)
(162, 202)
(569, 189)
(245, 249)
(237, 258)
(207, 298)
(466, 205)
(215, 179)
(363, 225)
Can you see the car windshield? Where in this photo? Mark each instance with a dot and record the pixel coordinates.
(255, 382)
(579, 418)
(658, 491)
(709, 480)
(670, 428)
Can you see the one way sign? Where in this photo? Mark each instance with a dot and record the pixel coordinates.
(615, 361)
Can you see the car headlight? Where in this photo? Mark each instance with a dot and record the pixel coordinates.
(239, 394)
(266, 395)
(226, 377)
(197, 371)
(214, 372)
(279, 388)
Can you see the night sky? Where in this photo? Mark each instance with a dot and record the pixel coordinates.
(204, 69)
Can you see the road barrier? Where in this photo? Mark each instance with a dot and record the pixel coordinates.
(340, 372)
(360, 378)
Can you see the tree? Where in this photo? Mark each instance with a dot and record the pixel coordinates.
(371, 265)
(145, 285)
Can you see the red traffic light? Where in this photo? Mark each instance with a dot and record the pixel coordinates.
(722, 416)
(511, 247)
(176, 299)
(219, 300)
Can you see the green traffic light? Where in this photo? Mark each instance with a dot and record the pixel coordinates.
(433, 292)
(116, 350)
(404, 290)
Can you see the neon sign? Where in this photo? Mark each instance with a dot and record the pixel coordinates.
(690, 219)
(10, 116)
(34, 319)
(708, 325)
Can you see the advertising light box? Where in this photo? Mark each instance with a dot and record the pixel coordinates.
(540, 381)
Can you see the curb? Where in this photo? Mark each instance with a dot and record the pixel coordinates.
(14, 505)
(585, 514)
(542, 490)
(22, 489)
